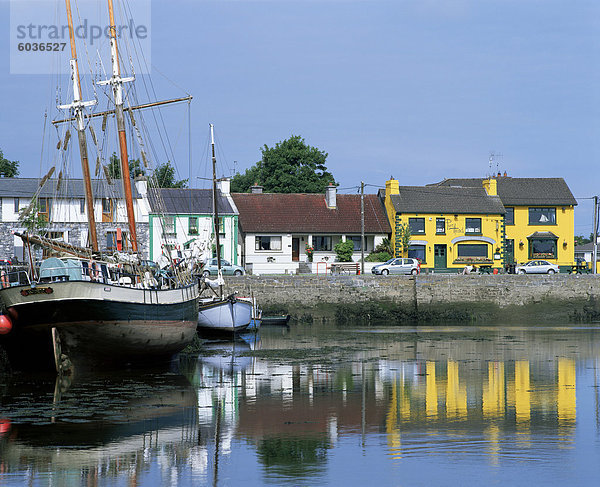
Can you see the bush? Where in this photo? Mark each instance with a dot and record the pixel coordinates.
(378, 257)
(344, 251)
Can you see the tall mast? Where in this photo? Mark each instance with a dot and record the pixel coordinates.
(117, 84)
(215, 207)
(78, 107)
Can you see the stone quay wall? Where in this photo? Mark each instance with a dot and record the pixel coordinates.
(559, 298)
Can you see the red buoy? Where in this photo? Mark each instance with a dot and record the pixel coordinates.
(5, 325)
(4, 426)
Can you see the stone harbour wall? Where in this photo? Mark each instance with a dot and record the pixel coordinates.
(559, 298)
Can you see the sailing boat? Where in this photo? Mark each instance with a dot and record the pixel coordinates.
(84, 306)
(219, 314)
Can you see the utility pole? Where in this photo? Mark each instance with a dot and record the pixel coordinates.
(362, 227)
(595, 235)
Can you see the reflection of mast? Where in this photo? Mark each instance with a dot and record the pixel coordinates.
(217, 443)
(78, 107)
(117, 84)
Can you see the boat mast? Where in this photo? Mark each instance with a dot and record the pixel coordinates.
(117, 84)
(216, 208)
(78, 107)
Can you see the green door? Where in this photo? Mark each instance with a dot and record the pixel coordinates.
(509, 252)
(439, 256)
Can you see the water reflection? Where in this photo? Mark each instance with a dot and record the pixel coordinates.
(113, 427)
(286, 408)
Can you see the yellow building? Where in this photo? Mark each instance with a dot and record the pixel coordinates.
(450, 227)
(539, 221)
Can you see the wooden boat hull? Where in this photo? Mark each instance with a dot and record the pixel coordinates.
(228, 315)
(98, 322)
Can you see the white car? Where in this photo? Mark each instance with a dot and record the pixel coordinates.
(398, 266)
(537, 267)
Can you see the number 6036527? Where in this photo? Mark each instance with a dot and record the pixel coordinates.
(41, 46)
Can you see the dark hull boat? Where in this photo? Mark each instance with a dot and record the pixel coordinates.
(97, 322)
(86, 306)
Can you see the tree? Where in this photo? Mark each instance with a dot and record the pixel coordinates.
(165, 177)
(114, 167)
(31, 218)
(291, 166)
(403, 236)
(8, 169)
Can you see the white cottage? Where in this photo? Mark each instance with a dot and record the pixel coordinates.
(276, 229)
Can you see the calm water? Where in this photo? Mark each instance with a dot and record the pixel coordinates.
(323, 406)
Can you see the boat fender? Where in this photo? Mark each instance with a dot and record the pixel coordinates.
(4, 426)
(5, 324)
(4, 279)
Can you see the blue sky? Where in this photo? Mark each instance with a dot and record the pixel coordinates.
(420, 90)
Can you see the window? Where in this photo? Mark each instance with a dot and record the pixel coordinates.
(16, 205)
(473, 225)
(112, 241)
(107, 210)
(82, 205)
(322, 244)
(473, 250)
(267, 243)
(169, 225)
(542, 216)
(221, 225)
(44, 205)
(193, 225)
(440, 226)
(542, 248)
(356, 242)
(509, 217)
(416, 225)
(417, 252)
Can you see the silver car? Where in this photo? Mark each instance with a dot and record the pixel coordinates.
(398, 266)
(537, 267)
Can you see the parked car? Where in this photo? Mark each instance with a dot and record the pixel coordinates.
(4, 262)
(398, 266)
(537, 267)
(210, 268)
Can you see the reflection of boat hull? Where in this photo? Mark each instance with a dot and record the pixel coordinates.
(98, 322)
(229, 315)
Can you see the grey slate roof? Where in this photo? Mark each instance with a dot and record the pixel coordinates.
(187, 201)
(441, 199)
(72, 188)
(523, 191)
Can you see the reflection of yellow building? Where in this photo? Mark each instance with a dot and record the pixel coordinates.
(505, 394)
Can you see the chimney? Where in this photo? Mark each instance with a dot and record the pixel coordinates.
(225, 186)
(392, 187)
(491, 186)
(256, 189)
(330, 195)
(141, 185)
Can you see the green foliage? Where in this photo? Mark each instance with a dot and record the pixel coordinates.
(378, 257)
(165, 177)
(344, 251)
(384, 246)
(581, 240)
(114, 167)
(8, 169)
(241, 183)
(403, 237)
(31, 218)
(291, 166)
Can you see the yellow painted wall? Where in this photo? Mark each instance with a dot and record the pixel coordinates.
(491, 227)
(564, 229)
